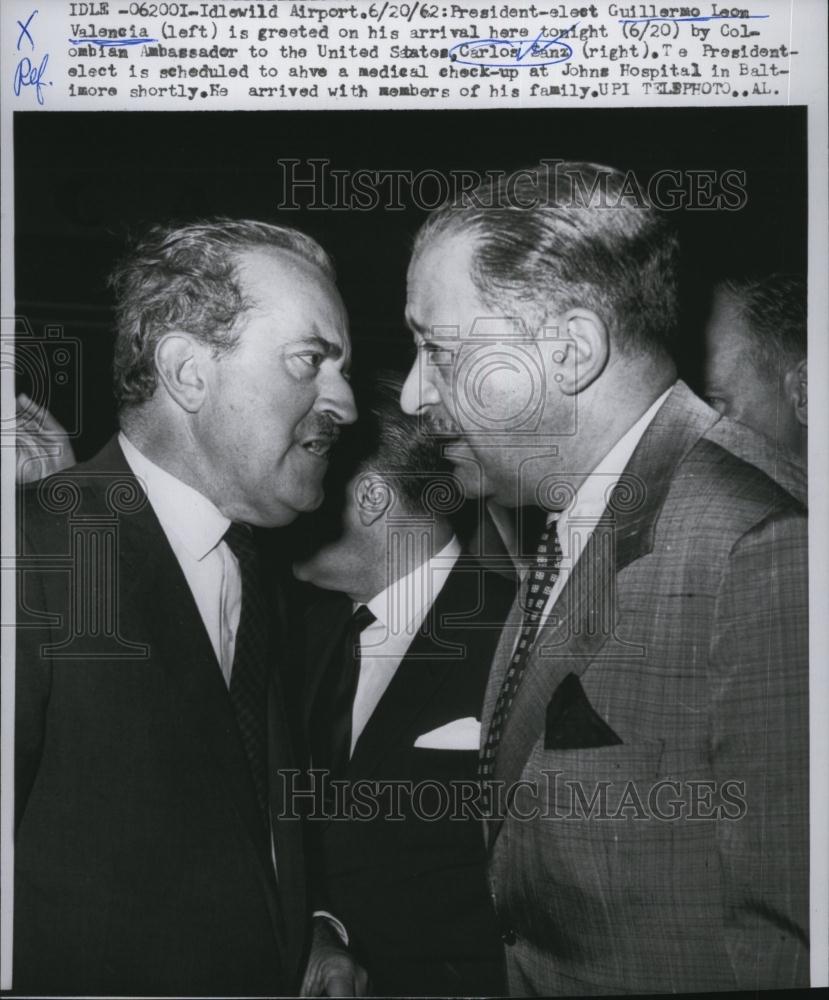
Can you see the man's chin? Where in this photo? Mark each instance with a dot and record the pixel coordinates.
(302, 570)
(471, 477)
(309, 502)
(284, 512)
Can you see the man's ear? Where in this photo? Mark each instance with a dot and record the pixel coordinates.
(797, 391)
(374, 498)
(179, 362)
(581, 355)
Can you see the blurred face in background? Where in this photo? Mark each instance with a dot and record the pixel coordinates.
(737, 385)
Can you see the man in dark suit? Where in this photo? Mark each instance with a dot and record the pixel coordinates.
(398, 658)
(755, 371)
(152, 852)
(647, 710)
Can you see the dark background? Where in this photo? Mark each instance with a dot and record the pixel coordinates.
(85, 181)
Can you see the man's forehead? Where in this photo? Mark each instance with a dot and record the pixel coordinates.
(277, 280)
(725, 330)
(274, 258)
(440, 284)
(269, 271)
(445, 259)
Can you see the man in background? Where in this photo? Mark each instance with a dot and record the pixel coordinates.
(397, 662)
(755, 369)
(152, 852)
(648, 703)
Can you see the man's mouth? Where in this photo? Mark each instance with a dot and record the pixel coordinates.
(444, 428)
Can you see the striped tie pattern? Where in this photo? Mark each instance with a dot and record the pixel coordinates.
(249, 675)
(538, 587)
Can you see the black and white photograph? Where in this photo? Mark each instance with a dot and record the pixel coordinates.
(412, 567)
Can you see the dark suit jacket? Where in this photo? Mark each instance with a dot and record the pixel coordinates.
(671, 852)
(142, 862)
(412, 893)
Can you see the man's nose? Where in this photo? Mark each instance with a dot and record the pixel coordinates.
(338, 400)
(418, 391)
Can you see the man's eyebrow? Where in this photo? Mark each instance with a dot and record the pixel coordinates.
(428, 335)
(327, 347)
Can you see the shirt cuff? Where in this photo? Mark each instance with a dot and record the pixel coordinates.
(342, 933)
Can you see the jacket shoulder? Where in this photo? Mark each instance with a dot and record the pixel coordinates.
(721, 494)
(45, 507)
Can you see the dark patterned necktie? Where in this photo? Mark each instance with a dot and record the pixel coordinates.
(344, 690)
(539, 585)
(249, 675)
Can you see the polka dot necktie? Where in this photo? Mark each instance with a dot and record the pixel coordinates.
(536, 591)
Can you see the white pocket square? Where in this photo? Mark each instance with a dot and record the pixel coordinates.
(459, 734)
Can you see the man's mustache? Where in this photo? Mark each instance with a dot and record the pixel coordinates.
(440, 425)
(321, 428)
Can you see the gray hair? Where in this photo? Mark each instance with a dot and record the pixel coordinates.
(578, 234)
(187, 278)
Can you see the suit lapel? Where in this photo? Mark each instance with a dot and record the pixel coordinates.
(155, 594)
(458, 633)
(582, 624)
(432, 654)
(287, 831)
(325, 624)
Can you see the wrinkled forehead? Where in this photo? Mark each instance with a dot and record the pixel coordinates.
(725, 328)
(440, 282)
(281, 283)
(728, 356)
(449, 253)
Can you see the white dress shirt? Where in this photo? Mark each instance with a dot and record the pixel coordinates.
(194, 529)
(576, 522)
(399, 611)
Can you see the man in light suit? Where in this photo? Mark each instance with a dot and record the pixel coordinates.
(400, 860)
(152, 852)
(644, 739)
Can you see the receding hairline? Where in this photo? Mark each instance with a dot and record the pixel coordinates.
(294, 259)
(414, 324)
(724, 298)
(294, 269)
(461, 229)
(469, 240)
(734, 338)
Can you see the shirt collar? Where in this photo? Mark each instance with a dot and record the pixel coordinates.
(181, 510)
(592, 496)
(403, 605)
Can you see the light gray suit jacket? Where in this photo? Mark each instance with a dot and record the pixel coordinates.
(676, 859)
